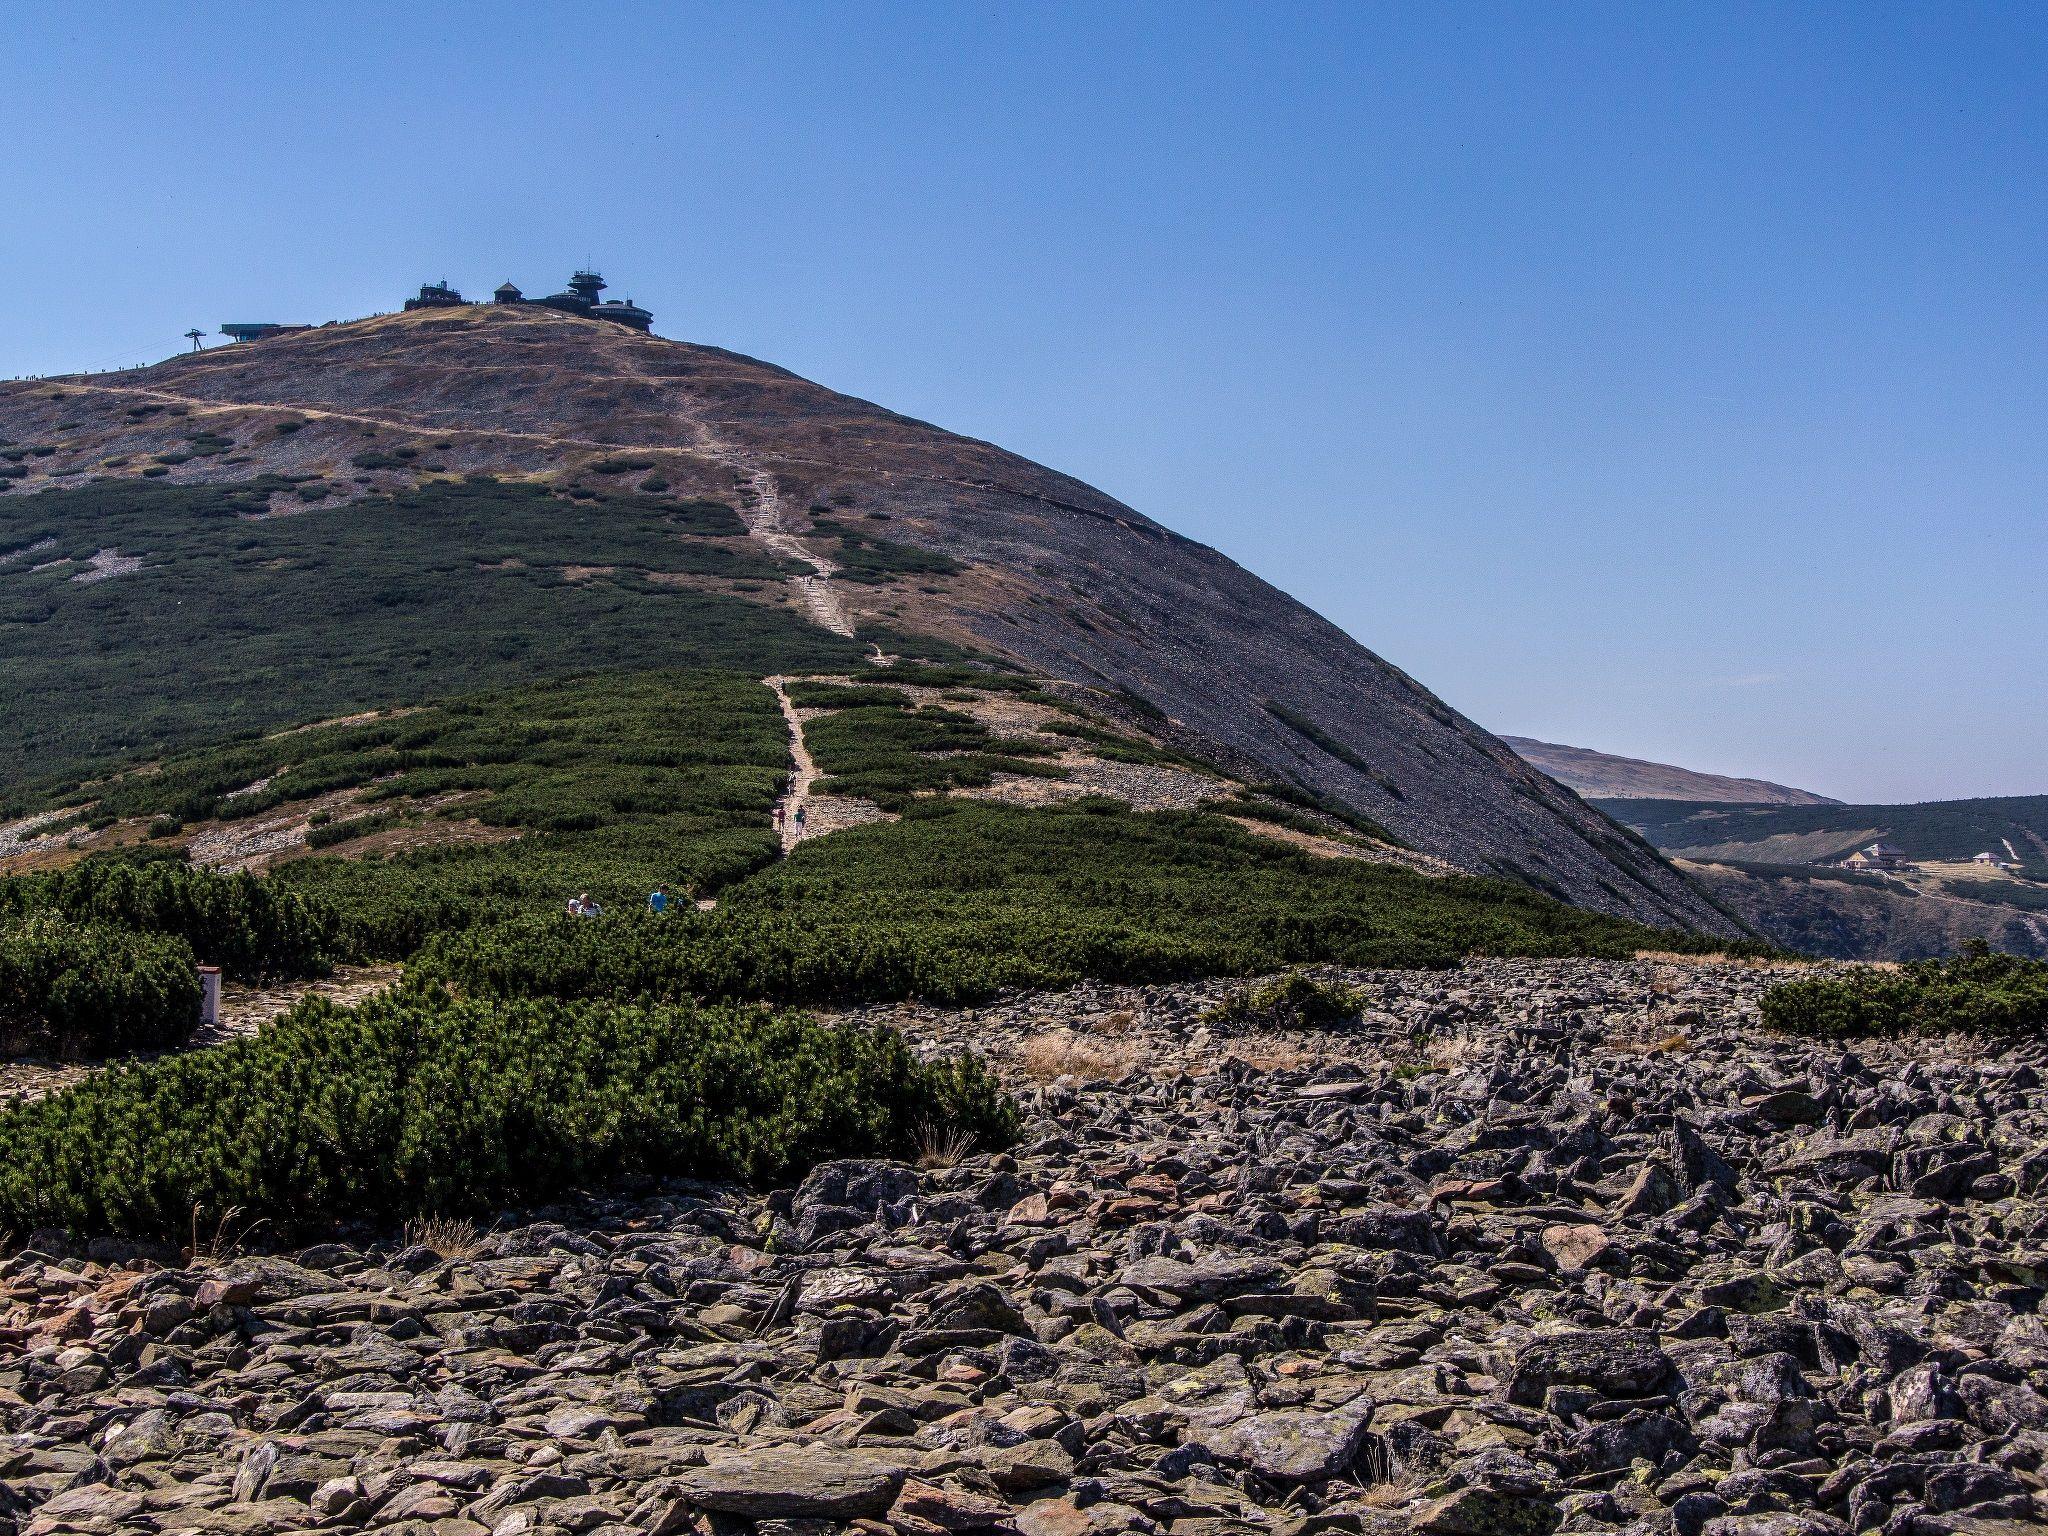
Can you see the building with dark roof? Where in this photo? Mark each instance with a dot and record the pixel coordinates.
(256, 330)
(581, 298)
(435, 296)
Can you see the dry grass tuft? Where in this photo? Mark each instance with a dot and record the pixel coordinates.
(943, 1146)
(224, 1241)
(1395, 1494)
(1062, 1053)
(449, 1236)
(1663, 1045)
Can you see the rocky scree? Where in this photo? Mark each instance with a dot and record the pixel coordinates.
(1530, 1247)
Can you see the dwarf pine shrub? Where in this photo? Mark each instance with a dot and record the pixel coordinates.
(413, 1105)
(249, 927)
(2002, 996)
(1293, 1001)
(88, 989)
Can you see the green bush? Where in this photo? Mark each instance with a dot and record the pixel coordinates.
(81, 989)
(1293, 1001)
(250, 928)
(330, 832)
(413, 1104)
(2001, 996)
(891, 754)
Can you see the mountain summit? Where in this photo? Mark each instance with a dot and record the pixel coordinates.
(862, 529)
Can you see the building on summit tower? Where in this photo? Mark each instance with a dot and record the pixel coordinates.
(579, 298)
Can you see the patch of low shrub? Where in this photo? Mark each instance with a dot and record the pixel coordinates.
(88, 989)
(961, 900)
(250, 928)
(415, 1105)
(1293, 1001)
(1976, 992)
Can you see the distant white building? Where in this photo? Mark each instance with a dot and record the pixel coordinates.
(1994, 860)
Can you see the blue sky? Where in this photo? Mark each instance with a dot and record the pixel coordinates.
(1663, 379)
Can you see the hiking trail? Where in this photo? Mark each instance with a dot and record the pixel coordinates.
(799, 796)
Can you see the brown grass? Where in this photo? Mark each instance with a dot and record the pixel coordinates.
(1395, 1494)
(1274, 1056)
(1662, 1046)
(943, 1146)
(1718, 957)
(222, 1241)
(449, 1236)
(1062, 1053)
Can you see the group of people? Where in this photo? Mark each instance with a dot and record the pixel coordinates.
(581, 905)
(584, 906)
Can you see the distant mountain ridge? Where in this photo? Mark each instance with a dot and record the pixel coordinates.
(1604, 776)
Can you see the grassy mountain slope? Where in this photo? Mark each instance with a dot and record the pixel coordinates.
(462, 825)
(928, 534)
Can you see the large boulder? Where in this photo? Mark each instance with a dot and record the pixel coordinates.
(793, 1482)
(1615, 1362)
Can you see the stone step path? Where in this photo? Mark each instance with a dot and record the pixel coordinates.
(761, 510)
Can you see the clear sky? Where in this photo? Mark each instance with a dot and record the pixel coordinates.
(1667, 379)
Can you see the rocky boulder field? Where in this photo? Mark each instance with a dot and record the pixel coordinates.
(1534, 1246)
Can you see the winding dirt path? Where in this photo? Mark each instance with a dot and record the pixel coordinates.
(794, 821)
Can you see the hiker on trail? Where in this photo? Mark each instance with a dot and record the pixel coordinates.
(657, 902)
(779, 812)
(800, 818)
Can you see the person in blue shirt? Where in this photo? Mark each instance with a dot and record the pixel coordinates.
(657, 903)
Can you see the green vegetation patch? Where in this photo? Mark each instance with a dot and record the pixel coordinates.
(1976, 992)
(1321, 739)
(822, 695)
(1293, 1001)
(239, 623)
(891, 753)
(2005, 893)
(1944, 830)
(413, 1104)
(91, 989)
(870, 561)
(616, 783)
(964, 899)
(253, 929)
